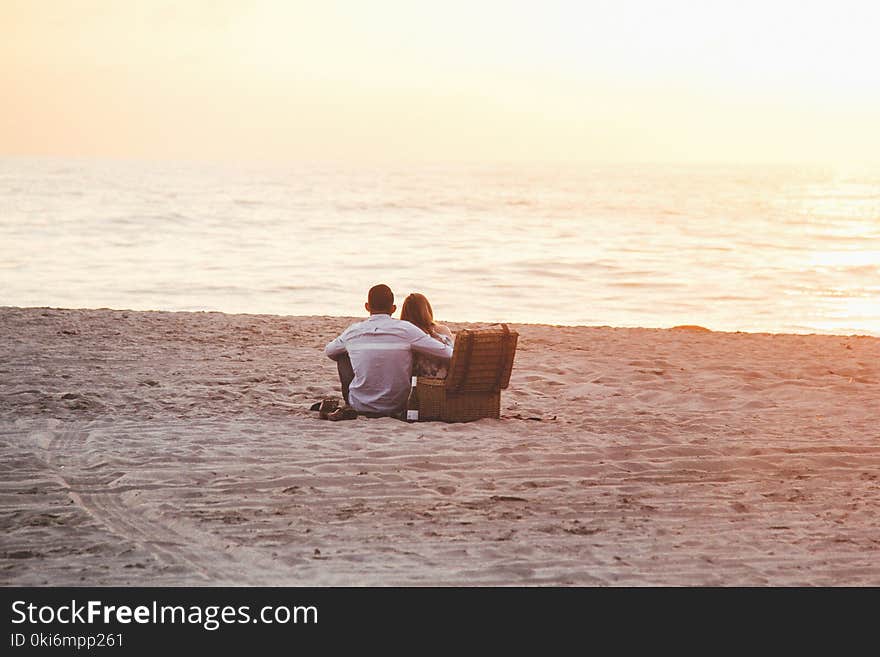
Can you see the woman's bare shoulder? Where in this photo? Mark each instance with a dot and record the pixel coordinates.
(443, 330)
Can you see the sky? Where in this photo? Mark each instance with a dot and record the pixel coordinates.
(740, 81)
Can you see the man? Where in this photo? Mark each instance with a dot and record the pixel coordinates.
(374, 357)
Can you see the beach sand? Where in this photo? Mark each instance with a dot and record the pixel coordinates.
(154, 448)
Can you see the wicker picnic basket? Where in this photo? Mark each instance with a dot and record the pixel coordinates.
(480, 369)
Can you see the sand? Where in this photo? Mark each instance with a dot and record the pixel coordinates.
(152, 448)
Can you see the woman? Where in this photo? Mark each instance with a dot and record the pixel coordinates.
(416, 310)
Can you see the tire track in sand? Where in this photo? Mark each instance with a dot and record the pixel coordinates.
(185, 548)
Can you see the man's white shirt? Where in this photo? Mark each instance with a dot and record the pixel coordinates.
(381, 349)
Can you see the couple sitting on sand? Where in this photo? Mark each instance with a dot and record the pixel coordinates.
(376, 358)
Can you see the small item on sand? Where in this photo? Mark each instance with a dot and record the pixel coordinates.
(344, 413)
(325, 407)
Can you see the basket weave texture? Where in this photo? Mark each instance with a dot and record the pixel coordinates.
(480, 368)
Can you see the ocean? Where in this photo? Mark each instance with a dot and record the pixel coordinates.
(730, 248)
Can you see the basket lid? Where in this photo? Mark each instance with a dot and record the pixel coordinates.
(482, 360)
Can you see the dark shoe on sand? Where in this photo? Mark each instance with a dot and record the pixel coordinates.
(344, 413)
(326, 407)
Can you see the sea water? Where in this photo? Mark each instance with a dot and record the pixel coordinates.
(727, 247)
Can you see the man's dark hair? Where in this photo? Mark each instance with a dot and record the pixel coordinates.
(380, 298)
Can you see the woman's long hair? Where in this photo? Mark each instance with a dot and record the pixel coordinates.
(417, 310)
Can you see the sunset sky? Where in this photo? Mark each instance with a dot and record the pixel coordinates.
(551, 80)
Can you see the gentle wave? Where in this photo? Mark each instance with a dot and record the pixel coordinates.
(730, 248)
